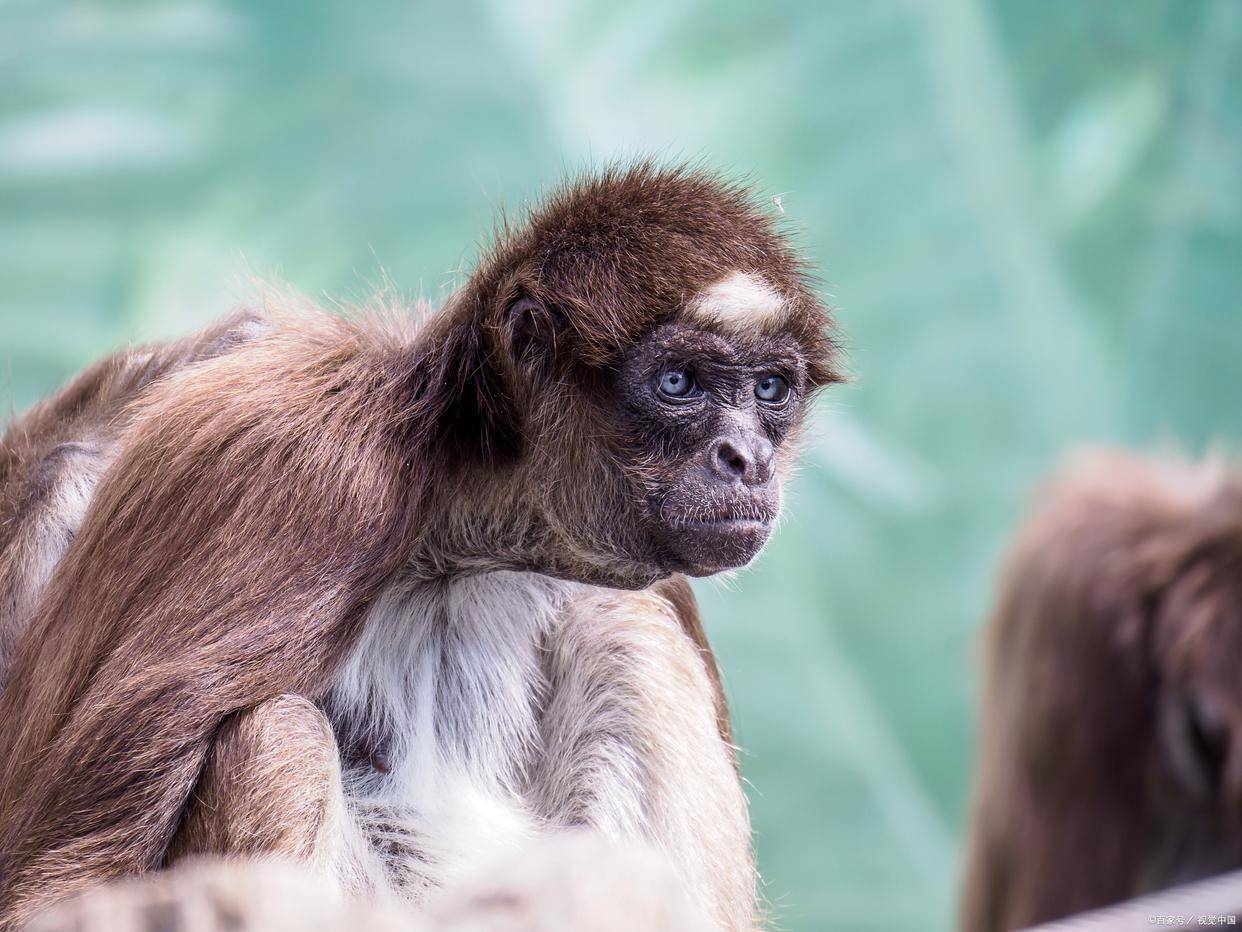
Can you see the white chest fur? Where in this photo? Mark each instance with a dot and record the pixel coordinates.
(445, 684)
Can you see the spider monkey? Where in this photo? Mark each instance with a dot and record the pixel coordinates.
(383, 597)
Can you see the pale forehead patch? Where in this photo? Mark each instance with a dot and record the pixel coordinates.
(738, 298)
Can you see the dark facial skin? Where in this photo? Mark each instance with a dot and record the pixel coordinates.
(711, 413)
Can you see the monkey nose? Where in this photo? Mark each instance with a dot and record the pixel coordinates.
(748, 461)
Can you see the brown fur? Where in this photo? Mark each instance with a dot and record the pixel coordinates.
(136, 654)
(1120, 613)
(271, 786)
(262, 497)
(73, 432)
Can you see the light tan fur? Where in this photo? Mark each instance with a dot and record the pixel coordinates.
(574, 882)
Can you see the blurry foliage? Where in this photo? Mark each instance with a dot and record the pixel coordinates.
(1029, 213)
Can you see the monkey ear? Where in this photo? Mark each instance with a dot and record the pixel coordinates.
(480, 421)
(532, 330)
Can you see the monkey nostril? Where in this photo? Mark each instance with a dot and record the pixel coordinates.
(730, 462)
(735, 462)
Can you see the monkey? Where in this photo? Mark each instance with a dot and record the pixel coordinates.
(1110, 742)
(386, 595)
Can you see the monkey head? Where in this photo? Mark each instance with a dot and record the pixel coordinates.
(642, 352)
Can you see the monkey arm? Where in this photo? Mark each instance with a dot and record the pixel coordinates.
(271, 787)
(633, 742)
(258, 501)
(677, 592)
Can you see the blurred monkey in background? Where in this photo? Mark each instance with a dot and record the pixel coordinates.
(1110, 749)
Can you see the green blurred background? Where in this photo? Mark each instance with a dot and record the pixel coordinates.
(1030, 214)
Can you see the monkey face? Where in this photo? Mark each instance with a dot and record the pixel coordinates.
(709, 417)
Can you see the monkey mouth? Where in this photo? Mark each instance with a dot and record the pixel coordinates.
(701, 541)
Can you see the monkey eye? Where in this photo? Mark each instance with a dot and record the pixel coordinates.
(676, 385)
(772, 389)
